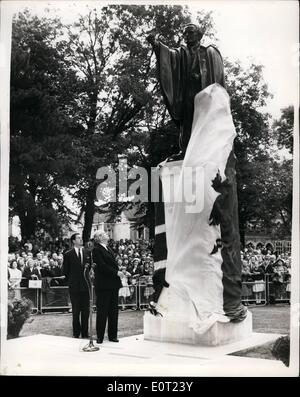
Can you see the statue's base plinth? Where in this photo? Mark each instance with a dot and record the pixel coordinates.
(162, 329)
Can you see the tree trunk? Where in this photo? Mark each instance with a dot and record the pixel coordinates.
(151, 220)
(25, 209)
(28, 224)
(89, 214)
(286, 224)
(242, 225)
(242, 237)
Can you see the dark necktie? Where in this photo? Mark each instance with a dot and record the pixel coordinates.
(79, 255)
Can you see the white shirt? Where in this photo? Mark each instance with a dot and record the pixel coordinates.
(79, 250)
(15, 275)
(105, 246)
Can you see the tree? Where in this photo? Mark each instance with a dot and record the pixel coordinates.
(150, 136)
(269, 195)
(155, 136)
(75, 101)
(279, 197)
(85, 93)
(41, 159)
(264, 181)
(248, 94)
(284, 128)
(116, 86)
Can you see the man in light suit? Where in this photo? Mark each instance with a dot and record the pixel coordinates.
(107, 285)
(74, 264)
(31, 272)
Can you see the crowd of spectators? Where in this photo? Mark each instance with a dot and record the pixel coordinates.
(24, 266)
(42, 259)
(135, 260)
(38, 244)
(262, 266)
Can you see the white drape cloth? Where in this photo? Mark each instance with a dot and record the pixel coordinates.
(195, 294)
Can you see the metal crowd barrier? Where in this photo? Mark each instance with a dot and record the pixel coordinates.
(128, 298)
(278, 292)
(145, 292)
(254, 293)
(55, 298)
(137, 297)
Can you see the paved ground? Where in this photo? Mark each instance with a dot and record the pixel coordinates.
(134, 356)
(266, 319)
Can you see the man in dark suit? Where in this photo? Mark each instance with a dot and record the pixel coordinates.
(107, 285)
(30, 272)
(74, 263)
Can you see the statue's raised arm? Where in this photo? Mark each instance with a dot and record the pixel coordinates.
(183, 72)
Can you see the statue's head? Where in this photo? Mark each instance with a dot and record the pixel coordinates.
(192, 34)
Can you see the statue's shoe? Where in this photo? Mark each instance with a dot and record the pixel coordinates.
(153, 310)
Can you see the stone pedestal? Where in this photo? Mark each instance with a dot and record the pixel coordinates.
(164, 329)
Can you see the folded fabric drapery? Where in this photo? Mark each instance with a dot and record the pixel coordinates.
(204, 277)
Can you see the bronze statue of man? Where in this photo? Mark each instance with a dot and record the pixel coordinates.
(183, 72)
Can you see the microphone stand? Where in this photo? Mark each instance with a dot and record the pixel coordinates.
(90, 347)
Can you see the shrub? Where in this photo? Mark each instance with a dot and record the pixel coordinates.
(281, 349)
(18, 312)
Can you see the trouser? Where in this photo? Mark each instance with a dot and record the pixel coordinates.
(159, 282)
(107, 311)
(80, 301)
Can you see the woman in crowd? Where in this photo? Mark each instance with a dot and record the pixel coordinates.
(288, 279)
(15, 277)
(149, 290)
(278, 279)
(21, 267)
(47, 275)
(124, 292)
(259, 281)
(120, 263)
(246, 278)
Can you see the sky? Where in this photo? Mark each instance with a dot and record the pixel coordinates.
(265, 32)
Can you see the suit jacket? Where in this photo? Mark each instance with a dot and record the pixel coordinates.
(269, 269)
(27, 273)
(74, 270)
(106, 269)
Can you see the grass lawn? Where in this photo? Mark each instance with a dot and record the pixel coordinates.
(267, 319)
(130, 323)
